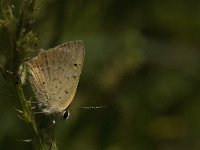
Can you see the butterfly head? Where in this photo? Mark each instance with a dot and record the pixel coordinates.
(65, 115)
(58, 116)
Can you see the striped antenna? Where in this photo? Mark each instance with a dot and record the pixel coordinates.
(89, 107)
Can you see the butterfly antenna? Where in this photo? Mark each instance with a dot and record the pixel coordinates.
(90, 107)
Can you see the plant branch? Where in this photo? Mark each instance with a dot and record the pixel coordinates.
(22, 42)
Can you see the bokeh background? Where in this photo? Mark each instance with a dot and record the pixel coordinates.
(142, 61)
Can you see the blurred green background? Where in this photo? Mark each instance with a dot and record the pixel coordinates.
(142, 61)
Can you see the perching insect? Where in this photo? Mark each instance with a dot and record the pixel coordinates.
(54, 76)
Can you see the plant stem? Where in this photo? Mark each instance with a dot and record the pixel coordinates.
(22, 42)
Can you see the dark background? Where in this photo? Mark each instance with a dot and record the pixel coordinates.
(142, 61)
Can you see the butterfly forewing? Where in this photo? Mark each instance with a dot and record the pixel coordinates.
(54, 75)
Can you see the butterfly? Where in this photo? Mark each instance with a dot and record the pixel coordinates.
(54, 75)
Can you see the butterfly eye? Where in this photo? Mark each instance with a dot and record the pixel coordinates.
(66, 115)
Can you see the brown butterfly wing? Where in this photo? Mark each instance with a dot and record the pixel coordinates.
(54, 75)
